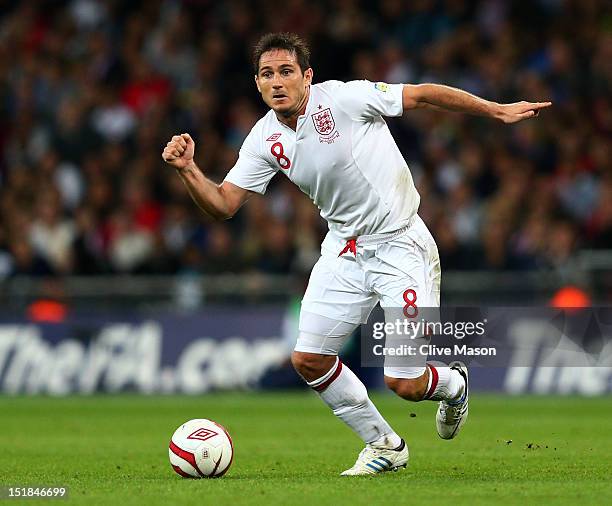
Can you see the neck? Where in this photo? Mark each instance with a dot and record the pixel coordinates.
(290, 119)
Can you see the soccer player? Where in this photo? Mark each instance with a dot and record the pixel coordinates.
(331, 140)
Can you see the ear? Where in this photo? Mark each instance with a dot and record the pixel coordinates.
(257, 83)
(308, 73)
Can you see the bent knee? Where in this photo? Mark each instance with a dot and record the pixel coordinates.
(312, 365)
(409, 389)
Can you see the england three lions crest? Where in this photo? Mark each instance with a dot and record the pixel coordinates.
(325, 125)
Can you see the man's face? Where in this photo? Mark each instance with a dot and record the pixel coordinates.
(281, 82)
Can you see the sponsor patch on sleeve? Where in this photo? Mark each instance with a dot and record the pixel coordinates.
(384, 87)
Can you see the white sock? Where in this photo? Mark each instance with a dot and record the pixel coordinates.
(444, 383)
(347, 396)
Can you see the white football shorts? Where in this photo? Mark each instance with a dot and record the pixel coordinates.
(344, 289)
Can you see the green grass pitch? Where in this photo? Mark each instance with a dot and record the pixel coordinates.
(289, 449)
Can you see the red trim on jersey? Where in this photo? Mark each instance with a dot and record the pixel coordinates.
(330, 380)
(351, 245)
(434, 381)
(188, 456)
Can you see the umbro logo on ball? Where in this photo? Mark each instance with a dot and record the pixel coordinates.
(202, 434)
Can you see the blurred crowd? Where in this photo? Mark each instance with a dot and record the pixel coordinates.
(91, 91)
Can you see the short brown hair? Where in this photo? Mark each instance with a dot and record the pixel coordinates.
(288, 41)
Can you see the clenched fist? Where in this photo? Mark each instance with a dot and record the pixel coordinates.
(179, 151)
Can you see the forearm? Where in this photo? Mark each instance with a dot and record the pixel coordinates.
(451, 99)
(205, 193)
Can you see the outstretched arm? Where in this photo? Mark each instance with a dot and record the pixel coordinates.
(219, 201)
(437, 96)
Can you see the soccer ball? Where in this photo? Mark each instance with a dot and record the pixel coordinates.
(201, 449)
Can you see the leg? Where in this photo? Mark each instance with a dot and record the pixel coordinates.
(408, 278)
(335, 303)
(407, 388)
(312, 366)
(436, 383)
(315, 359)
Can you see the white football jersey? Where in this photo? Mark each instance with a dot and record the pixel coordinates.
(341, 155)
